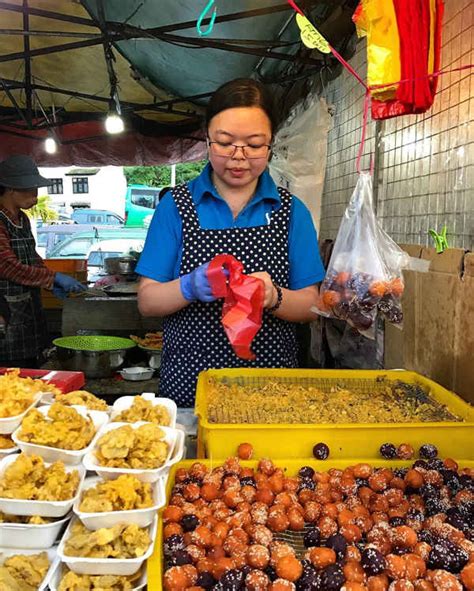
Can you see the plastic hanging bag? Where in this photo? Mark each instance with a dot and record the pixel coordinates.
(364, 275)
(243, 304)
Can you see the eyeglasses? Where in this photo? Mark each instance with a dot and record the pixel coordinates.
(227, 150)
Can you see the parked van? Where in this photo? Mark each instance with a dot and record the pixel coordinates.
(48, 237)
(140, 204)
(84, 215)
(78, 245)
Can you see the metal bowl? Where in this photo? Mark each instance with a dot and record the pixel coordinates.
(120, 265)
(137, 374)
(154, 356)
(98, 363)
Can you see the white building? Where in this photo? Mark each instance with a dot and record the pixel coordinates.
(97, 188)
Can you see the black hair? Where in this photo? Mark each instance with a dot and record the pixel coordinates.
(242, 92)
(3, 190)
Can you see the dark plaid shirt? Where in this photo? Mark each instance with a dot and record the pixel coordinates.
(11, 269)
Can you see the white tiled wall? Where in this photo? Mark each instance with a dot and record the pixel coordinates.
(426, 162)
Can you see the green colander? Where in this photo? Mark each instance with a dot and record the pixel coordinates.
(94, 343)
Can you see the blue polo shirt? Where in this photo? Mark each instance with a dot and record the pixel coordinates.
(161, 256)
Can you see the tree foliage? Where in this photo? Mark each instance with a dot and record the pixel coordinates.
(160, 176)
(43, 210)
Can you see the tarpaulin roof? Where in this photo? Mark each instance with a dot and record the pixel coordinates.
(62, 61)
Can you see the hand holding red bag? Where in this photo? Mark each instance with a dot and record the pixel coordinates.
(243, 304)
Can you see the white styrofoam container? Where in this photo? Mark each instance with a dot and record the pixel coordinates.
(52, 555)
(42, 508)
(125, 402)
(56, 575)
(173, 437)
(142, 517)
(10, 450)
(9, 424)
(54, 454)
(26, 535)
(106, 566)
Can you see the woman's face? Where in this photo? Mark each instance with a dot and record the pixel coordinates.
(22, 198)
(242, 126)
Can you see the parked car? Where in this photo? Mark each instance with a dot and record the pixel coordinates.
(48, 237)
(61, 219)
(104, 249)
(140, 203)
(84, 215)
(78, 245)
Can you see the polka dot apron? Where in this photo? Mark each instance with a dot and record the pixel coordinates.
(193, 338)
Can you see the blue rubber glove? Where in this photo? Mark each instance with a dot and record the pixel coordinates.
(195, 285)
(68, 284)
(59, 293)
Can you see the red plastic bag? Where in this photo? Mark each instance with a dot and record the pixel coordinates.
(243, 304)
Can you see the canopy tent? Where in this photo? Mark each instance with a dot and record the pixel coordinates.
(65, 63)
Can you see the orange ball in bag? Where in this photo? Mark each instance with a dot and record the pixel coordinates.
(331, 298)
(378, 288)
(396, 287)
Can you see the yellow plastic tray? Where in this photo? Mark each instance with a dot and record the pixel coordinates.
(155, 563)
(345, 440)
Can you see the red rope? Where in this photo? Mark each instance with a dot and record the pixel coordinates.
(348, 67)
(295, 7)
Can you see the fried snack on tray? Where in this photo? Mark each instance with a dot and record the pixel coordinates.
(152, 340)
(23, 572)
(273, 401)
(120, 541)
(72, 582)
(29, 519)
(82, 398)
(123, 494)
(143, 410)
(17, 394)
(6, 442)
(28, 478)
(140, 448)
(63, 428)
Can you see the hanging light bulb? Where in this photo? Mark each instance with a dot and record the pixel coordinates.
(50, 145)
(114, 123)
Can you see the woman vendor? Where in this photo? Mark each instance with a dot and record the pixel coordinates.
(22, 271)
(233, 207)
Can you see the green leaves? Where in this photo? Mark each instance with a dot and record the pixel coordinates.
(43, 210)
(160, 176)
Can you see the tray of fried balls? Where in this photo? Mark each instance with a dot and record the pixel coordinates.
(322, 526)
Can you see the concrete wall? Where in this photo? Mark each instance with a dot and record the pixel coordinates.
(107, 189)
(426, 162)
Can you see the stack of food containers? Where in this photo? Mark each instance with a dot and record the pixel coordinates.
(38, 536)
(30, 528)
